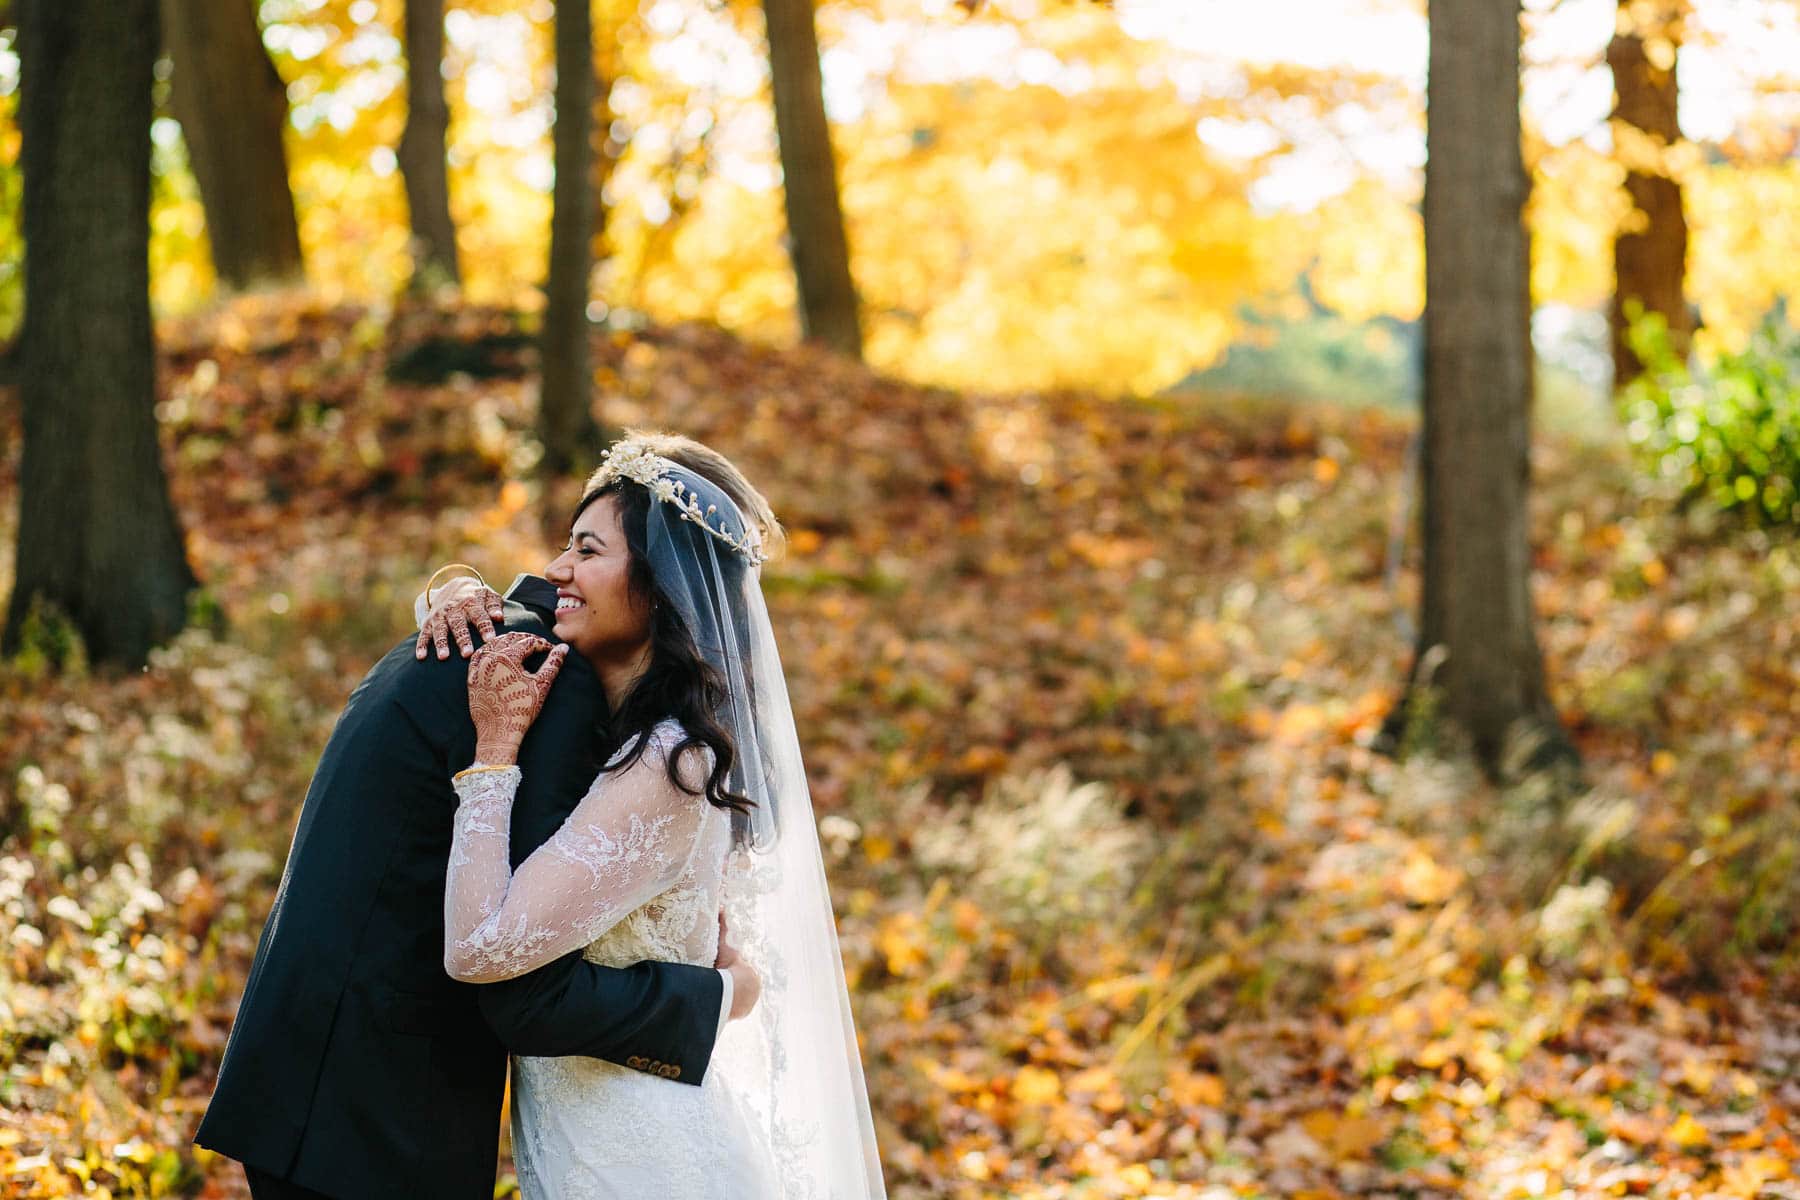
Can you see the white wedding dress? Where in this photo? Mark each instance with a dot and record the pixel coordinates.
(635, 873)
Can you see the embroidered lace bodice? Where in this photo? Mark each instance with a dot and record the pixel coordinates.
(633, 873)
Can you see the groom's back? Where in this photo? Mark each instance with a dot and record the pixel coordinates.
(356, 1066)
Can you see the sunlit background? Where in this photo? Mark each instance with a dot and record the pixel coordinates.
(1038, 194)
(1103, 578)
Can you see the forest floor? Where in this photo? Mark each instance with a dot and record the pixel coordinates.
(1087, 688)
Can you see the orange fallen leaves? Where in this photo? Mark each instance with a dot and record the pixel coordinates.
(1319, 953)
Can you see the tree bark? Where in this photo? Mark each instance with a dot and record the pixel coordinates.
(565, 415)
(816, 238)
(1477, 646)
(421, 150)
(98, 537)
(232, 107)
(1650, 253)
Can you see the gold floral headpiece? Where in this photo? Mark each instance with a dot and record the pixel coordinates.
(667, 481)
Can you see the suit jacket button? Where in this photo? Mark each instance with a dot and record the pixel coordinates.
(674, 1072)
(635, 1063)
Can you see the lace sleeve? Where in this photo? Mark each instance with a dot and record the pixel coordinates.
(629, 840)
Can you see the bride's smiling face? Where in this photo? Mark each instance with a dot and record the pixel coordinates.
(597, 612)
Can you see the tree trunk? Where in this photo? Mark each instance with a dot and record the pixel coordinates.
(98, 537)
(1477, 645)
(232, 107)
(421, 151)
(1650, 252)
(565, 415)
(816, 239)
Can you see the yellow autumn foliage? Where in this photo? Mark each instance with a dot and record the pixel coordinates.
(1047, 215)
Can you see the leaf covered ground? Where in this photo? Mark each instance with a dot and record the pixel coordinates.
(1087, 688)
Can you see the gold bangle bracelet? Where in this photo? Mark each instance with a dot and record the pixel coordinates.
(477, 769)
(430, 583)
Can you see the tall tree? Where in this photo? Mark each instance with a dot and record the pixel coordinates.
(1477, 643)
(421, 151)
(232, 107)
(816, 239)
(1650, 252)
(565, 415)
(98, 537)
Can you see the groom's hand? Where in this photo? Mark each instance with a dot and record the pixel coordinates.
(746, 984)
(728, 953)
(746, 989)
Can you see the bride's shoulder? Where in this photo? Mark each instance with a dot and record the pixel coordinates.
(660, 742)
(664, 736)
(695, 762)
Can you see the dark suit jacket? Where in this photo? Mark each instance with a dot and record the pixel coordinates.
(356, 1066)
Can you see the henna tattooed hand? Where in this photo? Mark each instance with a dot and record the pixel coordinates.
(504, 697)
(461, 603)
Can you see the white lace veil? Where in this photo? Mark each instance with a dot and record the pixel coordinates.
(794, 1060)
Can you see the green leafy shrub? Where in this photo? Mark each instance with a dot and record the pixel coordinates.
(1728, 433)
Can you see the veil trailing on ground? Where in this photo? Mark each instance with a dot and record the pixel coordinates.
(794, 1061)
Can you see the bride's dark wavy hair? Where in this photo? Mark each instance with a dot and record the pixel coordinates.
(678, 683)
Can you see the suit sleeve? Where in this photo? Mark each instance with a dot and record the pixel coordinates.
(670, 1012)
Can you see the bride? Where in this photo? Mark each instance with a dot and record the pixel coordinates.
(699, 822)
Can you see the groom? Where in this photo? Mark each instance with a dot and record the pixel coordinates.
(357, 1069)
